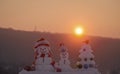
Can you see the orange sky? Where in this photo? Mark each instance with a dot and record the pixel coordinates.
(98, 17)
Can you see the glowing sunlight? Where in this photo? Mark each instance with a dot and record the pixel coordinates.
(79, 31)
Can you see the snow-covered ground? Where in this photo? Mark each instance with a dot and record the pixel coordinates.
(89, 71)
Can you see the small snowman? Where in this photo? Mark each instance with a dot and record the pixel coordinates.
(64, 62)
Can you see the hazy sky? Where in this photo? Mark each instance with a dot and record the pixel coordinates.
(98, 17)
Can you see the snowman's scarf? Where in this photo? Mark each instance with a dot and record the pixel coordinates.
(43, 55)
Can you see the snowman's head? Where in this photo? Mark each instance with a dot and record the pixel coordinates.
(44, 49)
(42, 45)
(63, 49)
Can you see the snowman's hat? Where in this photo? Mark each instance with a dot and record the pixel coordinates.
(42, 42)
(86, 41)
(61, 44)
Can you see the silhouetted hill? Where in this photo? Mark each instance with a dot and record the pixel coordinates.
(16, 48)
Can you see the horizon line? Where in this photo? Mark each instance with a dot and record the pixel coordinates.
(10, 28)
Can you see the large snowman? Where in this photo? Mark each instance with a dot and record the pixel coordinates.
(86, 59)
(43, 59)
(64, 62)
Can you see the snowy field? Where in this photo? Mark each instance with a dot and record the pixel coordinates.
(75, 72)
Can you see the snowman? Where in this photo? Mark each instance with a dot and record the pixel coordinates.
(43, 56)
(64, 62)
(86, 58)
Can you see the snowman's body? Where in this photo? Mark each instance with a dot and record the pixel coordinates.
(86, 56)
(64, 58)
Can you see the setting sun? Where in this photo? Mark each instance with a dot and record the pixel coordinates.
(79, 31)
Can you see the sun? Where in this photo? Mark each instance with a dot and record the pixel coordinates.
(79, 31)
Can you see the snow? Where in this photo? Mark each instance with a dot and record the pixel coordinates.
(89, 71)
